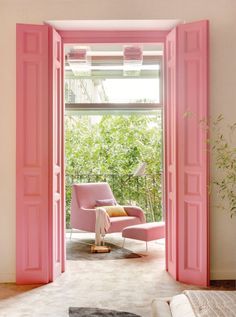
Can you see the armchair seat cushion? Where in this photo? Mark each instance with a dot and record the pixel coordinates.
(119, 223)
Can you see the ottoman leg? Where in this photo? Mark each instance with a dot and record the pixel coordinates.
(71, 231)
(146, 246)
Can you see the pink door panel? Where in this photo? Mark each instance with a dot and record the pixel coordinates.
(192, 104)
(170, 157)
(39, 156)
(32, 170)
(186, 57)
(57, 215)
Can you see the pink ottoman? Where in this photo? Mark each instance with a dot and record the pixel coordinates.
(145, 232)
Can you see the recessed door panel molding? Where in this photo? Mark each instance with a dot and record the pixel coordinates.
(192, 181)
(192, 236)
(31, 72)
(33, 256)
(191, 110)
(32, 184)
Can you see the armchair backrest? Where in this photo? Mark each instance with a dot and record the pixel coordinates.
(88, 193)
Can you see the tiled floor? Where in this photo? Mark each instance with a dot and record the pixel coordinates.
(127, 284)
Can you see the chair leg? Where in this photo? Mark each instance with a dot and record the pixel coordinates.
(71, 233)
(123, 244)
(103, 239)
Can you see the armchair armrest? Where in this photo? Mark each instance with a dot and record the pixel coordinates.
(88, 210)
(135, 211)
(83, 218)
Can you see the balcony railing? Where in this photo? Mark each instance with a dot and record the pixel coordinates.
(144, 191)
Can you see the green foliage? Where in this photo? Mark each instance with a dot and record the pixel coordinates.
(224, 152)
(110, 150)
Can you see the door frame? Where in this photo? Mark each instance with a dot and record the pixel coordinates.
(99, 36)
(123, 37)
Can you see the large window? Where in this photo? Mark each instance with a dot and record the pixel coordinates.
(113, 122)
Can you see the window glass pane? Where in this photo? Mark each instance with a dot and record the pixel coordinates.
(113, 73)
(124, 149)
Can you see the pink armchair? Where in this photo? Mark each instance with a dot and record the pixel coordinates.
(83, 204)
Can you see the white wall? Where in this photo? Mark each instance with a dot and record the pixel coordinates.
(221, 14)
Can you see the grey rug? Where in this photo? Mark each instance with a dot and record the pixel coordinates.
(79, 250)
(97, 312)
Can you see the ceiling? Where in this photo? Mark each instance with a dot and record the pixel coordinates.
(69, 25)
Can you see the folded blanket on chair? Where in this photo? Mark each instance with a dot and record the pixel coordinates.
(102, 224)
(213, 303)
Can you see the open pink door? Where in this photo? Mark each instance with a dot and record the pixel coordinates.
(192, 105)
(57, 161)
(187, 170)
(170, 157)
(39, 246)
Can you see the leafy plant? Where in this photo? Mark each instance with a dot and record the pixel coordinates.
(223, 148)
